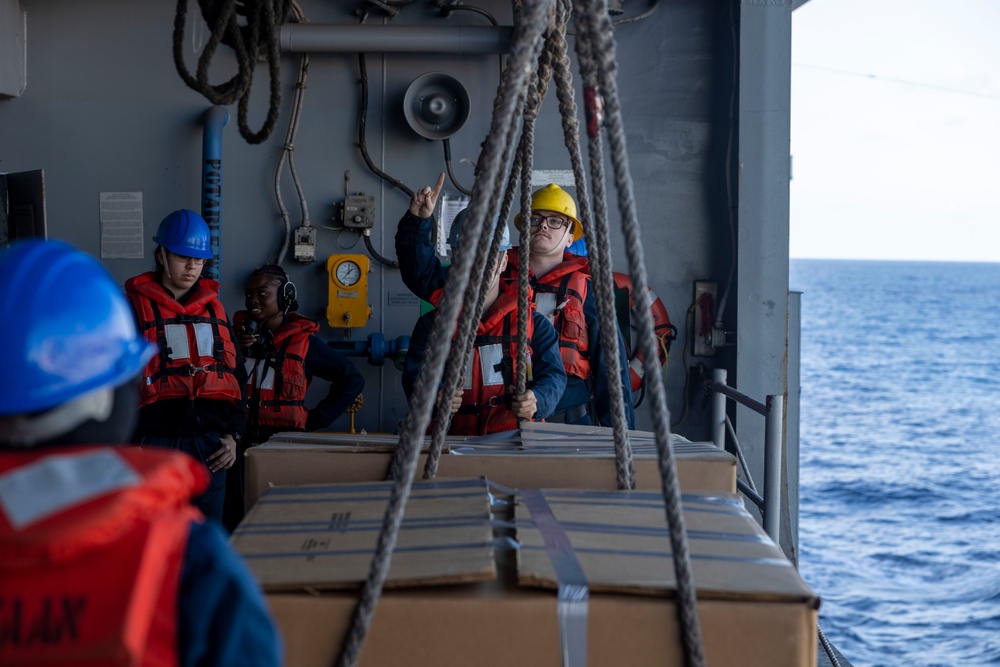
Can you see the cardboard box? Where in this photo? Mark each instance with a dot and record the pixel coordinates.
(455, 596)
(539, 455)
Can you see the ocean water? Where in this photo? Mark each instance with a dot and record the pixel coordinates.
(900, 458)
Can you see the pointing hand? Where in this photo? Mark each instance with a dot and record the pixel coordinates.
(425, 199)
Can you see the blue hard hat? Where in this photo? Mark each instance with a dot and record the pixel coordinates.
(456, 230)
(68, 329)
(578, 247)
(184, 232)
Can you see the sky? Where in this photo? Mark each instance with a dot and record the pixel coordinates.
(895, 130)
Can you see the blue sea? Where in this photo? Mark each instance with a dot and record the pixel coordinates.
(900, 458)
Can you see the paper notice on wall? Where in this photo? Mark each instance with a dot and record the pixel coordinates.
(394, 298)
(451, 205)
(121, 225)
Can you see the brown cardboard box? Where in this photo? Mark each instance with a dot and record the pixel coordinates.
(456, 597)
(539, 455)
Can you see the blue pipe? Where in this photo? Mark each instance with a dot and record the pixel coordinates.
(211, 182)
(377, 349)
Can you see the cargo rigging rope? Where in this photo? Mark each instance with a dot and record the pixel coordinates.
(601, 251)
(595, 50)
(520, 172)
(525, 46)
(464, 339)
(530, 101)
(554, 56)
(596, 53)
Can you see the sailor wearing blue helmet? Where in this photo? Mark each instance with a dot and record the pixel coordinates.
(106, 531)
(192, 392)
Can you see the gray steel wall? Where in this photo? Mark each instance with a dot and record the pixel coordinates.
(104, 110)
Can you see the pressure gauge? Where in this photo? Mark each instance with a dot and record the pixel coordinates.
(348, 273)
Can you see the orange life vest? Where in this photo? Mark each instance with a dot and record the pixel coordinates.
(90, 563)
(485, 401)
(277, 383)
(197, 352)
(559, 296)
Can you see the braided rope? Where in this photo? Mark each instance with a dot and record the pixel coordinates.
(464, 340)
(224, 24)
(600, 250)
(526, 155)
(525, 45)
(463, 343)
(596, 51)
(530, 101)
(262, 28)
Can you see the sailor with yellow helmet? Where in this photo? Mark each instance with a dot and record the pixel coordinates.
(561, 284)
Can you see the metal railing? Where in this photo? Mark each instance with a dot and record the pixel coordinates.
(773, 411)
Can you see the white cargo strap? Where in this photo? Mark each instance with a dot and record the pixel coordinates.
(574, 592)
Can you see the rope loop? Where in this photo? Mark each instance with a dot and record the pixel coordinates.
(259, 36)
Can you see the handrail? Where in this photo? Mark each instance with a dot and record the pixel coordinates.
(773, 411)
(749, 492)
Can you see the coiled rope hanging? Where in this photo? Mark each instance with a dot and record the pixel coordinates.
(525, 46)
(596, 53)
(260, 36)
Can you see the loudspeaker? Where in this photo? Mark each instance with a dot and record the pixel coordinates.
(436, 105)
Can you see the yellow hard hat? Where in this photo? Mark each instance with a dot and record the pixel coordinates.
(554, 198)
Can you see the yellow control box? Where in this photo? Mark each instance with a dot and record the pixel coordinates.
(347, 306)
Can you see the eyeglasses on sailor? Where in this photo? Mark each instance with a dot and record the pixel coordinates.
(551, 221)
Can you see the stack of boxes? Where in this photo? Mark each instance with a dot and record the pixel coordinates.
(475, 578)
